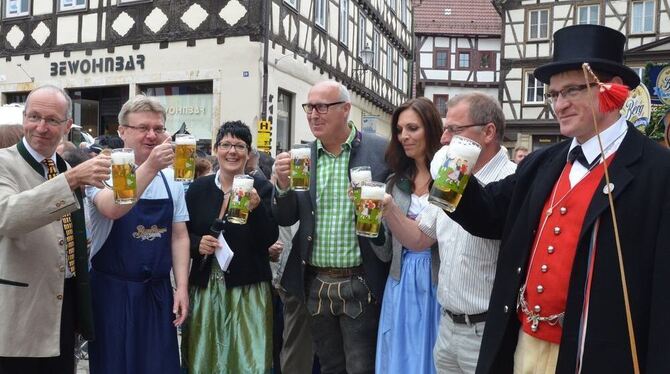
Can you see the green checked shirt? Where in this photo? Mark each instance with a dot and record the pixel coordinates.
(336, 244)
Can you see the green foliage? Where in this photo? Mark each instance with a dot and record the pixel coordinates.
(655, 130)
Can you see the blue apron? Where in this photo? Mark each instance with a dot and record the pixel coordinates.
(132, 294)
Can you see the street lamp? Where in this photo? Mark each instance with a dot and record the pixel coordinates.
(367, 55)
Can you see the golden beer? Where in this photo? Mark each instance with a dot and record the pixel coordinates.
(369, 216)
(238, 203)
(123, 176)
(359, 175)
(184, 158)
(454, 173)
(300, 167)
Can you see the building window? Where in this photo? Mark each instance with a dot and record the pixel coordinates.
(361, 33)
(393, 4)
(376, 63)
(320, 9)
(534, 90)
(401, 72)
(440, 102)
(292, 3)
(344, 22)
(464, 60)
(538, 27)
(486, 60)
(638, 70)
(403, 11)
(72, 4)
(643, 17)
(123, 2)
(441, 58)
(389, 63)
(284, 119)
(588, 15)
(17, 8)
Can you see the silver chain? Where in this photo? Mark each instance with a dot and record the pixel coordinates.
(535, 318)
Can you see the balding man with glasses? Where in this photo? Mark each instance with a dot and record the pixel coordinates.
(44, 280)
(338, 273)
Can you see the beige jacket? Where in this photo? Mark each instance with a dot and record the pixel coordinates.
(32, 251)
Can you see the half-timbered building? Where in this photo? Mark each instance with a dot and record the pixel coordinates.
(210, 61)
(457, 48)
(527, 43)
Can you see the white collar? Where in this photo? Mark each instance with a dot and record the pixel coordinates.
(36, 155)
(609, 136)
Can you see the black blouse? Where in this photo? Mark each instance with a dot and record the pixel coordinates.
(249, 242)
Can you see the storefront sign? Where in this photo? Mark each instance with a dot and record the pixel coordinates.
(637, 109)
(97, 65)
(662, 89)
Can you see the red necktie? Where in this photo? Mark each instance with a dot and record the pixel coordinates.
(68, 228)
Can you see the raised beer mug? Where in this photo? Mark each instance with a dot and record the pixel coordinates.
(359, 174)
(453, 175)
(184, 158)
(369, 217)
(300, 167)
(123, 183)
(240, 197)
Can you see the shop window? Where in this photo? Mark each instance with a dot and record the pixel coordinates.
(17, 8)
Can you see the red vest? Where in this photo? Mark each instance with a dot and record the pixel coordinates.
(556, 244)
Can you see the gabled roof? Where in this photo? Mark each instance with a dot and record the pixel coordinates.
(456, 17)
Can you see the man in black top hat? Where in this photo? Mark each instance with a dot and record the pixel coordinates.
(557, 303)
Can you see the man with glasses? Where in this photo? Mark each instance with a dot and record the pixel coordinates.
(134, 247)
(558, 302)
(467, 262)
(44, 280)
(339, 274)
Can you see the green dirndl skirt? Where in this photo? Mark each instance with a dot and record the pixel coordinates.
(228, 330)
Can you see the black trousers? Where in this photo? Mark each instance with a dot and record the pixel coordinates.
(62, 364)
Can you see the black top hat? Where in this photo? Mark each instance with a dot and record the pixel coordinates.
(600, 46)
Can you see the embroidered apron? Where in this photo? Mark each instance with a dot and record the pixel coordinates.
(132, 293)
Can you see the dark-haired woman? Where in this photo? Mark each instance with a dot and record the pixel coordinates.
(410, 314)
(230, 323)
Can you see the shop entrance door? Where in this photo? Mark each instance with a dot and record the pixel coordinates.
(96, 109)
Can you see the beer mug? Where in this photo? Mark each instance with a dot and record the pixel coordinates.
(369, 216)
(359, 174)
(240, 196)
(300, 164)
(124, 183)
(454, 173)
(184, 158)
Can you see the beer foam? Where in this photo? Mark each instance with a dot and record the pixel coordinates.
(120, 158)
(465, 149)
(301, 152)
(245, 184)
(181, 140)
(360, 176)
(373, 192)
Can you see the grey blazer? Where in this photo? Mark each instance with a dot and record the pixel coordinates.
(367, 149)
(402, 195)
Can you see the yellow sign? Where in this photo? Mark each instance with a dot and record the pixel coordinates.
(264, 137)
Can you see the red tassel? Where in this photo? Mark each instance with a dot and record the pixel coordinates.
(612, 96)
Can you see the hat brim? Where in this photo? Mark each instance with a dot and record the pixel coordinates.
(629, 77)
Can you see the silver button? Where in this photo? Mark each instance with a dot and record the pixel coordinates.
(540, 289)
(550, 249)
(61, 242)
(518, 270)
(506, 309)
(563, 210)
(537, 309)
(309, 238)
(544, 268)
(557, 230)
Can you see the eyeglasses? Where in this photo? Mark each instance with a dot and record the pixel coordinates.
(567, 93)
(238, 147)
(145, 129)
(320, 108)
(34, 118)
(454, 129)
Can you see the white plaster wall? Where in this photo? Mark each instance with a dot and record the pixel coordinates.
(437, 74)
(454, 91)
(42, 7)
(442, 42)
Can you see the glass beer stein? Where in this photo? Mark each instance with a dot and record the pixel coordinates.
(300, 167)
(359, 175)
(454, 174)
(240, 196)
(184, 158)
(369, 217)
(124, 183)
